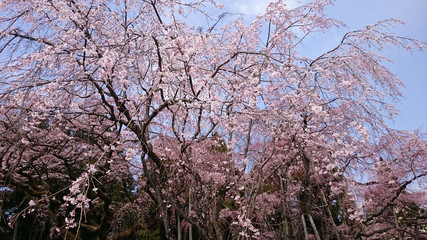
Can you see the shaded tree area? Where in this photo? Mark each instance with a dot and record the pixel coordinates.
(120, 120)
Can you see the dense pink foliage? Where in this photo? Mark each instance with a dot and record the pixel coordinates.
(110, 107)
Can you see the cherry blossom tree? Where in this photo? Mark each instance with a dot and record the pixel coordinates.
(123, 120)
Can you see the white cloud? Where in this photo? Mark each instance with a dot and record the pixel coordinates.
(251, 7)
(254, 7)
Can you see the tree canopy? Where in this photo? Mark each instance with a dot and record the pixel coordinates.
(123, 120)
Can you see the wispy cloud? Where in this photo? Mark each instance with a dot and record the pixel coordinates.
(256, 7)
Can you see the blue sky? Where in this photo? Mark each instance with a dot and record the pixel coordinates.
(410, 68)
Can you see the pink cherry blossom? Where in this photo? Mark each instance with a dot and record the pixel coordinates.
(125, 118)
